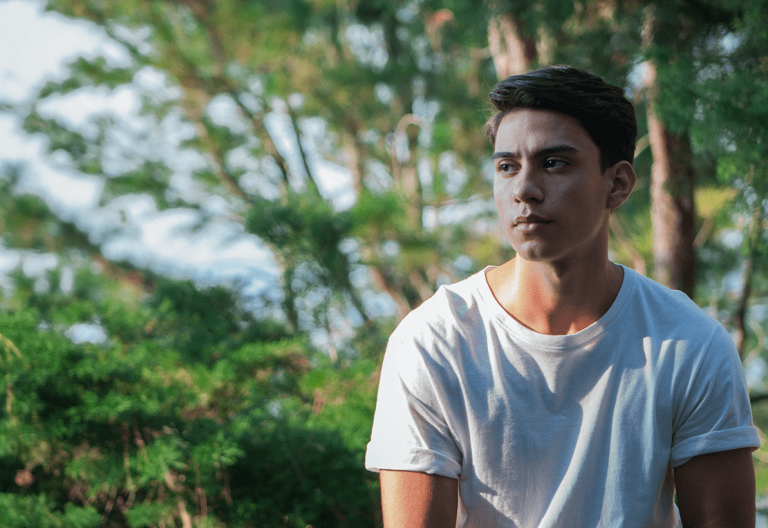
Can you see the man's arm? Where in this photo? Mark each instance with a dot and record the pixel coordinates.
(717, 490)
(419, 500)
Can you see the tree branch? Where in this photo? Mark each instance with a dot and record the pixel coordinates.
(311, 181)
(264, 135)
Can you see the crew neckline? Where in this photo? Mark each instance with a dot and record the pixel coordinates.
(558, 342)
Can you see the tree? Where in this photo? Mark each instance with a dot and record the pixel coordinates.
(192, 412)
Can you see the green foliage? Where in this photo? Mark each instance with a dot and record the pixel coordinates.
(379, 213)
(145, 432)
(302, 224)
(84, 72)
(306, 233)
(35, 510)
(152, 178)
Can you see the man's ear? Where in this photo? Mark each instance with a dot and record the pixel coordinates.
(622, 178)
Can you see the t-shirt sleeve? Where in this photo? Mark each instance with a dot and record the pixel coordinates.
(410, 432)
(715, 413)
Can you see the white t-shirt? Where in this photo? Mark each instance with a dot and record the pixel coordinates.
(579, 430)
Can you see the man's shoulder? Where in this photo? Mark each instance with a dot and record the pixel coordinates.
(452, 307)
(669, 309)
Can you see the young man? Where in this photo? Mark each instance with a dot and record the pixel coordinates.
(560, 389)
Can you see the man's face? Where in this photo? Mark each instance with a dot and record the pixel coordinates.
(550, 191)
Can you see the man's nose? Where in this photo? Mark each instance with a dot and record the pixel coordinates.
(528, 186)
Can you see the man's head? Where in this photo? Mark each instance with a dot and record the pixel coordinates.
(563, 148)
(600, 108)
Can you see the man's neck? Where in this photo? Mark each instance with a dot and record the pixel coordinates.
(556, 300)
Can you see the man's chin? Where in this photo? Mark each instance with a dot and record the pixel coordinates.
(533, 252)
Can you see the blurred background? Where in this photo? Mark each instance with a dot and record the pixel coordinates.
(213, 214)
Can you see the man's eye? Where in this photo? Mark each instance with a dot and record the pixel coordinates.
(554, 163)
(505, 167)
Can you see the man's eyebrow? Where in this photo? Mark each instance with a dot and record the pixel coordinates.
(554, 149)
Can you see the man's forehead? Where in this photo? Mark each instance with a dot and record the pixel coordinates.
(539, 132)
(544, 151)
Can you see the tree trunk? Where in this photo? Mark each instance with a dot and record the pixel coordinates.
(672, 207)
(512, 52)
(406, 176)
(353, 158)
(289, 301)
(672, 204)
(740, 317)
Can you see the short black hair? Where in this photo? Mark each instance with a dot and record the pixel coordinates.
(600, 108)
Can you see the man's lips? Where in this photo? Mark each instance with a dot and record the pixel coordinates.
(529, 220)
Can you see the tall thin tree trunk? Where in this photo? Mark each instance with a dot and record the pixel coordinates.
(740, 317)
(406, 175)
(289, 302)
(353, 158)
(672, 203)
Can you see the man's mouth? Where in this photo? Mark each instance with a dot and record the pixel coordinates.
(529, 220)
